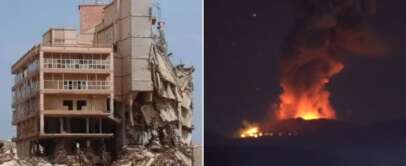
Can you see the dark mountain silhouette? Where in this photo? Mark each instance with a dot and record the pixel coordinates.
(318, 143)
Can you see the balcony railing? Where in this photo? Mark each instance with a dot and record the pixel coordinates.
(24, 111)
(62, 63)
(31, 68)
(77, 85)
(25, 91)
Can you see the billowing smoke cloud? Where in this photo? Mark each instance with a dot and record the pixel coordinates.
(324, 29)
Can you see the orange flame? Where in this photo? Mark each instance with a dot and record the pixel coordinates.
(250, 130)
(308, 104)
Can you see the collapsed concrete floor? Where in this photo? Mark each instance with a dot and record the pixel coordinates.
(129, 156)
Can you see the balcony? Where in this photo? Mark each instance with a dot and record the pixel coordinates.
(24, 113)
(28, 72)
(25, 92)
(77, 113)
(76, 64)
(80, 86)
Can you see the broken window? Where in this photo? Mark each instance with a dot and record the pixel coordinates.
(80, 104)
(68, 103)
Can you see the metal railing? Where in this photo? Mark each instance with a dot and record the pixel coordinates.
(77, 85)
(62, 63)
(25, 110)
(99, 45)
(31, 68)
(25, 91)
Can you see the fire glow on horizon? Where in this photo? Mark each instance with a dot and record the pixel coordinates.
(324, 29)
(251, 132)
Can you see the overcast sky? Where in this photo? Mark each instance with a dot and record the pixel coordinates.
(24, 22)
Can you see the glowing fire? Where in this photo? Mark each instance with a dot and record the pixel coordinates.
(311, 57)
(250, 130)
(311, 101)
(309, 116)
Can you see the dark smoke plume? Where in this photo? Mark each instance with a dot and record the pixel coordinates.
(324, 29)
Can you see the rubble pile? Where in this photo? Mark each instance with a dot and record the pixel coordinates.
(6, 151)
(8, 157)
(163, 116)
(158, 128)
(130, 155)
(61, 156)
(140, 155)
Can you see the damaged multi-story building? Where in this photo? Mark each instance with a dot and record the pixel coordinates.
(106, 87)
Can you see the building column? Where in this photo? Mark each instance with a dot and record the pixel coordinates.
(41, 116)
(100, 125)
(112, 104)
(130, 110)
(112, 83)
(123, 122)
(87, 125)
(41, 96)
(61, 128)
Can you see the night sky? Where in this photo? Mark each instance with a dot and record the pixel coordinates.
(243, 41)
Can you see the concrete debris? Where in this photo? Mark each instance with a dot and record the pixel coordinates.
(79, 157)
(162, 136)
(8, 157)
(167, 111)
(140, 155)
(149, 113)
(162, 118)
(134, 155)
(7, 152)
(173, 86)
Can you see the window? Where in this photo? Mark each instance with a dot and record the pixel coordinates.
(115, 48)
(75, 85)
(65, 84)
(77, 65)
(59, 63)
(82, 85)
(70, 85)
(80, 104)
(68, 103)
